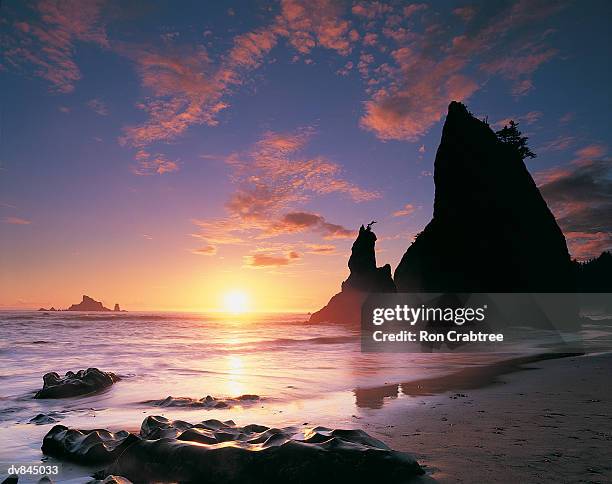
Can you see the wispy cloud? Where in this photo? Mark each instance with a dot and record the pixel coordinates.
(98, 106)
(520, 66)
(16, 221)
(433, 65)
(186, 87)
(580, 195)
(273, 180)
(189, 88)
(300, 221)
(206, 250)
(48, 42)
(590, 152)
(321, 249)
(148, 164)
(263, 259)
(560, 143)
(528, 118)
(408, 209)
(312, 23)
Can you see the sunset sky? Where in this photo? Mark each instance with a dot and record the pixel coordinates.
(160, 154)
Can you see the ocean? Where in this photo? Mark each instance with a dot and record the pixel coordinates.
(302, 373)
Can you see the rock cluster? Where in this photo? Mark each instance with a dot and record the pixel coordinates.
(215, 451)
(88, 304)
(73, 384)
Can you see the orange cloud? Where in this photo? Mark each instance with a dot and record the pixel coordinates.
(187, 87)
(271, 260)
(299, 221)
(370, 39)
(428, 71)
(589, 153)
(185, 92)
(405, 111)
(276, 172)
(587, 245)
(16, 221)
(413, 8)
(206, 250)
(147, 164)
(321, 249)
(273, 180)
(311, 23)
(408, 209)
(371, 10)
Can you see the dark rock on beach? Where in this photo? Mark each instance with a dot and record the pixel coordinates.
(111, 480)
(364, 279)
(73, 384)
(87, 447)
(177, 451)
(45, 418)
(205, 402)
(491, 229)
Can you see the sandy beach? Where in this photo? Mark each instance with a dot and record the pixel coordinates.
(550, 422)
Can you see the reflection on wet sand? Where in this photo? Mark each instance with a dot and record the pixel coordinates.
(465, 379)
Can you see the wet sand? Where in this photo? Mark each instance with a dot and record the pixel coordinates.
(549, 422)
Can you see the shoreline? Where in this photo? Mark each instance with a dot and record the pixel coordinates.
(547, 422)
(468, 378)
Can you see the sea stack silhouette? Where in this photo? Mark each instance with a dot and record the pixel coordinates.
(88, 304)
(491, 229)
(365, 278)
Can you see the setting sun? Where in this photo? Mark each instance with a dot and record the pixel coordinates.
(235, 301)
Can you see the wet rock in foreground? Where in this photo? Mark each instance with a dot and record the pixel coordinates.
(215, 451)
(111, 480)
(206, 402)
(73, 384)
(46, 418)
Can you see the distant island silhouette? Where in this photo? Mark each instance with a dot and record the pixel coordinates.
(87, 304)
(491, 230)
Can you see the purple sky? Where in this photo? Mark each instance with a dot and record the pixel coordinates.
(160, 154)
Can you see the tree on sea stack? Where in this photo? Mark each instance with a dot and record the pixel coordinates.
(510, 135)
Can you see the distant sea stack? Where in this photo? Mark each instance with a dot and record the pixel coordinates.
(491, 229)
(365, 278)
(88, 304)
